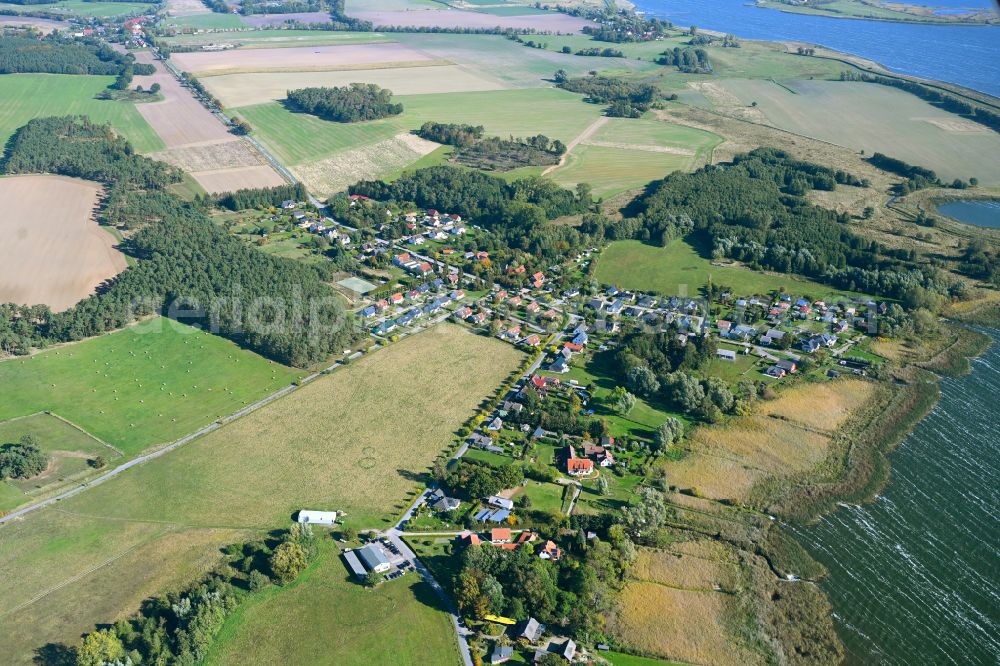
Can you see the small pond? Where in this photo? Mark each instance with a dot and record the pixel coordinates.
(980, 212)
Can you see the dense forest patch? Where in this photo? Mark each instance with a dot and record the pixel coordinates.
(347, 104)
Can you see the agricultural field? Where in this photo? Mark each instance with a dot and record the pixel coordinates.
(456, 18)
(416, 78)
(85, 9)
(318, 447)
(625, 154)
(69, 450)
(787, 436)
(670, 606)
(400, 622)
(55, 252)
(300, 59)
(209, 21)
(679, 269)
(278, 38)
(319, 150)
(45, 26)
(147, 384)
(197, 141)
(28, 96)
(870, 117)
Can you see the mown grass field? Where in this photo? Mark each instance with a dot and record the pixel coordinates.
(69, 449)
(297, 138)
(625, 154)
(28, 96)
(87, 9)
(147, 384)
(205, 21)
(325, 617)
(357, 441)
(870, 117)
(680, 269)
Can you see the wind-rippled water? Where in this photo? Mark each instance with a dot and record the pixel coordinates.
(915, 575)
(962, 54)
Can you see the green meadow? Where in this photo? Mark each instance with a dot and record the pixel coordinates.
(625, 154)
(325, 617)
(679, 269)
(28, 96)
(145, 385)
(69, 450)
(205, 21)
(86, 9)
(298, 138)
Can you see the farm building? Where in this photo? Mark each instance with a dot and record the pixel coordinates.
(373, 558)
(726, 354)
(317, 517)
(354, 564)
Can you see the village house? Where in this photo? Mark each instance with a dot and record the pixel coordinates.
(578, 466)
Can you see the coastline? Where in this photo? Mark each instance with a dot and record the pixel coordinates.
(788, 9)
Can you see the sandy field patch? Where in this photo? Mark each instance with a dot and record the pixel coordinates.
(179, 119)
(186, 7)
(453, 18)
(265, 20)
(53, 251)
(343, 169)
(238, 178)
(227, 154)
(44, 25)
(236, 90)
(312, 57)
(956, 125)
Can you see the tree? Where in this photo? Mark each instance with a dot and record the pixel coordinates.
(257, 580)
(348, 534)
(288, 561)
(100, 648)
(155, 88)
(669, 433)
(642, 381)
(98, 462)
(621, 401)
(373, 578)
(602, 486)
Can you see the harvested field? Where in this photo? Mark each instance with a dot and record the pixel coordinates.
(317, 447)
(270, 20)
(197, 141)
(868, 117)
(44, 25)
(296, 58)
(226, 154)
(788, 436)
(54, 253)
(336, 173)
(179, 119)
(236, 90)
(186, 7)
(228, 180)
(454, 18)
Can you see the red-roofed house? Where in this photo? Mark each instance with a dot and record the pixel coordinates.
(578, 466)
(550, 551)
(499, 535)
(532, 340)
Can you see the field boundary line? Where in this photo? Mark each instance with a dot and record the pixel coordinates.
(83, 574)
(581, 137)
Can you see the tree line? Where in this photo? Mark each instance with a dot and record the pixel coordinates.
(345, 104)
(938, 98)
(248, 7)
(280, 308)
(754, 211)
(56, 54)
(262, 197)
(625, 98)
(492, 153)
(688, 60)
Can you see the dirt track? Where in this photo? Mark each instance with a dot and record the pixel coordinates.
(53, 251)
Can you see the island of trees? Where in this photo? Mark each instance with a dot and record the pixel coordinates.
(625, 98)
(346, 104)
(493, 153)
